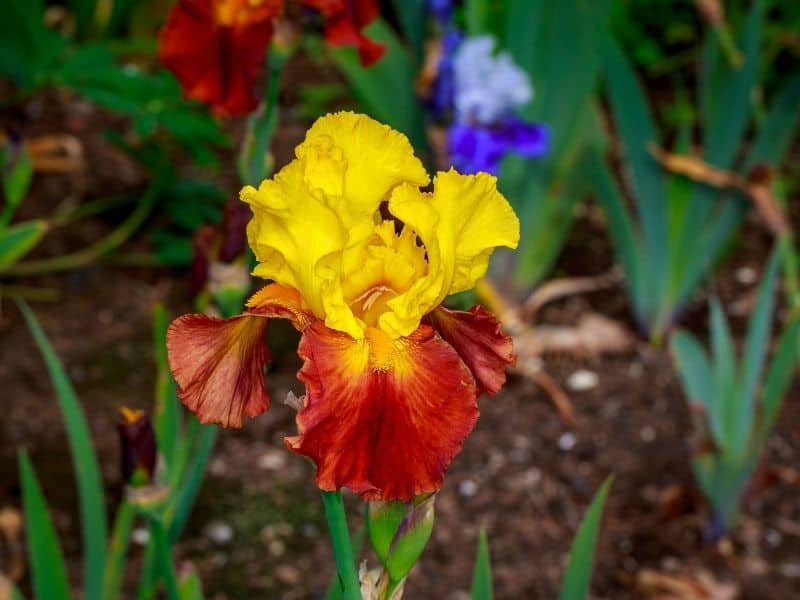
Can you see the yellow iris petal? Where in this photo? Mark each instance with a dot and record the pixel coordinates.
(460, 223)
(298, 241)
(323, 206)
(356, 162)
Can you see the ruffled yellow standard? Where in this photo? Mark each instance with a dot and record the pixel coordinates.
(361, 261)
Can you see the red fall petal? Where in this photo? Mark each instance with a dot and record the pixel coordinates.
(219, 364)
(218, 62)
(478, 338)
(383, 418)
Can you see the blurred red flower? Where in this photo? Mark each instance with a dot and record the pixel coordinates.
(216, 48)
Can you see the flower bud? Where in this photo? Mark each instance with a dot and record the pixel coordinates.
(138, 447)
(399, 533)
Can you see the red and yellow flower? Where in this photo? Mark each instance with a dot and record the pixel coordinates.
(216, 48)
(361, 261)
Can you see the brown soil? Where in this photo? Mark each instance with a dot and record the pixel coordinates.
(523, 475)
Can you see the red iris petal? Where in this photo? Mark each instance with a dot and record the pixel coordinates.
(478, 338)
(384, 426)
(219, 364)
(215, 62)
(345, 20)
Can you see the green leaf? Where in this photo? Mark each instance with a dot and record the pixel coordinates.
(190, 486)
(779, 128)
(189, 586)
(17, 174)
(777, 380)
(578, 575)
(726, 391)
(386, 89)
(694, 369)
(622, 230)
(90, 486)
(727, 120)
(412, 16)
(167, 406)
(16, 241)
(48, 571)
(757, 341)
(482, 588)
(83, 11)
(637, 130)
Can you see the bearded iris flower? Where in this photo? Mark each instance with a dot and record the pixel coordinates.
(361, 260)
(216, 48)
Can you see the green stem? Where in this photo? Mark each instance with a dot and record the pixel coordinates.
(94, 251)
(148, 579)
(187, 494)
(117, 550)
(165, 567)
(342, 548)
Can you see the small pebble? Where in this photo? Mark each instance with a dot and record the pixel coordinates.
(140, 536)
(468, 488)
(790, 570)
(567, 441)
(217, 467)
(219, 532)
(272, 460)
(746, 275)
(773, 537)
(288, 574)
(635, 370)
(647, 433)
(582, 380)
(277, 548)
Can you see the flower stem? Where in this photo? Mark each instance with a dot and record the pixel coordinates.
(342, 548)
(164, 559)
(117, 550)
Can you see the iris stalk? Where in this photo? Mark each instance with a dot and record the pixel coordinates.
(342, 548)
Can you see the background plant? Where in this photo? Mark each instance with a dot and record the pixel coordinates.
(185, 446)
(735, 402)
(678, 229)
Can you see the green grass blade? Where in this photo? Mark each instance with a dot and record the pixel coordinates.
(90, 486)
(386, 89)
(48, 571)
(482, 588)
(578, 575)
(412, 15)
(118, 550)
(728, 118)
(694, 369)
(779, 128)
(637, 130)
(757, 340)
(777, 380)
(16, 241)
(726, 392)
(167, 405)
(528, 27)
(190, 486)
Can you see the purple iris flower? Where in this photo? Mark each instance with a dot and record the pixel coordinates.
(443, 92)
(476, 148)
(441, 10)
